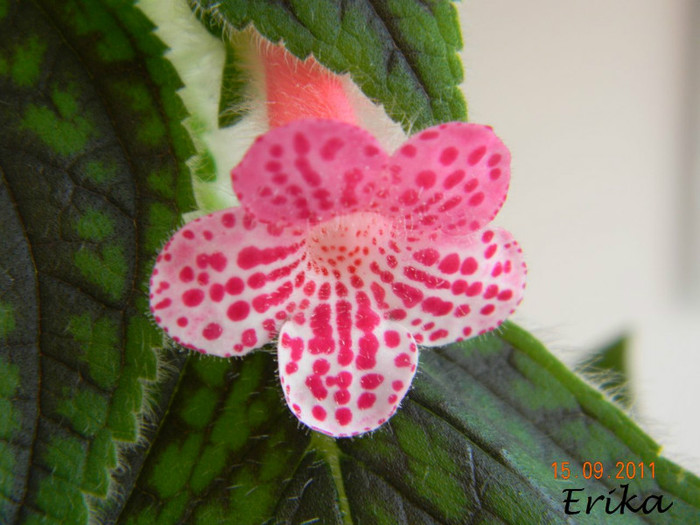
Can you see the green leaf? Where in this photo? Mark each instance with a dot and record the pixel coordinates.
(607, 367)
(92, 181)
(474, 442)
(401, 53)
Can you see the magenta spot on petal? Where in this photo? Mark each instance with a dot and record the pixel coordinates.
(450, 264)
(495, 174)
(476, 155)
(324, 292)
(402, 360)
(459, 287)
(438, 334)
(474, 289)
(202, 261)
(343, 416)
(429, 135)
(273, 166)
(301, 144)
(397, 385)
(488, 309)
(188, 234)
(409, 197)
(371, 381)
(453, 179)
(366, 400)
(427, 257)
(392, 338)
(216, 292)
(163, 304)
(238, 311)
(228, 220)
(193, 297)
(321, 367)
(218, 261)
(234, 286)
(409, 295)
(182, 321)
(315, 384)
(448, 156)
(331, 148)
(342, 397)
(471, 185)
(396, 315)
(212, 331)
(291, 368)
(408, 151)
(476, 199)
(450, 203)
(469, 266)
(249, 337)
(491, 291)
(366, 359)
(319, 412)
(257, 280)
(343, 379)
(426, 179)
(505, 295)
(493, 160)
(187, 274)
(310, 288)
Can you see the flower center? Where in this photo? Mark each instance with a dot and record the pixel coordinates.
(347, 245)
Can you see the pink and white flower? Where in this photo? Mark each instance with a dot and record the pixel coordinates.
(348, 258)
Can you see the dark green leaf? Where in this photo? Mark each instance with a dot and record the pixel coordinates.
(92, 181)
(233, 94)
(473, 443)
(401, 53)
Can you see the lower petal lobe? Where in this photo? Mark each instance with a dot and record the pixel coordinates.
(225, 282)
(344, 369)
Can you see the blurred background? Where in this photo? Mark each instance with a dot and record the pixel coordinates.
(599, 103)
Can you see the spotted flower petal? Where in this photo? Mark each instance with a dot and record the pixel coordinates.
(453, 177)
(453, 289)
(310, 170)
(344, 369)
(224, 283)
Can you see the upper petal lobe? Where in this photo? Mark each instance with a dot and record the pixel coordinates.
(453, 177)
(310, 170)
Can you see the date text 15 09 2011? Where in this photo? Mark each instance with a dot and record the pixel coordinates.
(596, 470)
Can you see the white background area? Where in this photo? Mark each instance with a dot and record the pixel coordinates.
(598, 103)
